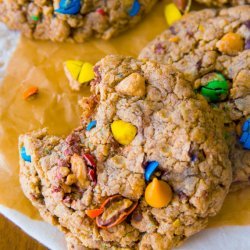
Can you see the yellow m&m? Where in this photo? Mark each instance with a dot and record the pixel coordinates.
(158, 193)
(74, 68)
(172, 13)
(78, 73)
(123, 132)
(86, 73)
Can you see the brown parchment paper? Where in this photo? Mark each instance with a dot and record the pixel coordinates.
(40, 63)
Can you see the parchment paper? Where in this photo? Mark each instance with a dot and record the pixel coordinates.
(40, 63)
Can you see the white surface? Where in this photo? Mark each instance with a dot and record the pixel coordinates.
(226, 238)
(8, 42)
(43, 232)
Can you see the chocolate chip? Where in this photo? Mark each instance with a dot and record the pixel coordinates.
(247, 44)
(182, 195)
(72, 145)
(67, 199)
(63, 163)
(159, 49)
(190, 33)
(247, 23)
(56, 189)
(198, 64)
(137, 216)
(72, 139)
(195, 153)
(172, 30)
(97, 76)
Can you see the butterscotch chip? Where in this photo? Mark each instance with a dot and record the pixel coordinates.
(230, 44)
(132, 85)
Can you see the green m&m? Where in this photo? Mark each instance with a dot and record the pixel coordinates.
(216, 88)
(35, 18)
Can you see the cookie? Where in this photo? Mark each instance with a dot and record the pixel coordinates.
(72, 19)
(146, 168)
(212, 49)
(220, 3)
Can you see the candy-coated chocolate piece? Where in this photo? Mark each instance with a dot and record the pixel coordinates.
(91, 164)
(158, 193)
(150, 169)
(245, 136)
(90, 160)
(91, 125)
(115, 210)
(78, 73)
(92, 175)
(135, 8)
(246, 125)
(34, 18)
(123, 132)
(101, 12)
(247, 43)
(172, 13)
(93, 213)
(69, 7)
(86, 73)
(30, 92)
(216, 88)
(24, 155)
(230, 44)
(74, 67)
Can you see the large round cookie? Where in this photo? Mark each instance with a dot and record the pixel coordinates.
(76, 19)
(223, 2)
(162, 121)
(204, 43)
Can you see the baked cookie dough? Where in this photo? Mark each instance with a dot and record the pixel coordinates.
(146, 168)
(72, 19)
(223, 2)
(203, 44)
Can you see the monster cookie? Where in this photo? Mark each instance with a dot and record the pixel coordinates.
(60, 20)
(223, 2)
(146, 168)
(212, 49)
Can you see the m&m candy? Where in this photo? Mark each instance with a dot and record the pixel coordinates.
(91, 125)
(24, 155)
(135, 8)
(123, 132)
(69, 7)
(245, 136)
(150, 169)
(216, 88)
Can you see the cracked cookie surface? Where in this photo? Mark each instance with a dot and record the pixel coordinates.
(98, 172)
(40, 19)
(208, 42)
(221, 3)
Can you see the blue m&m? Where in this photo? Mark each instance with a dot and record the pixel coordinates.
(91, 125)
(150, 169)
(135, 8)
(24, 155)
(245, 136)
(70, 7)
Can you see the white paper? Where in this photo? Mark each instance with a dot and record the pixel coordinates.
(224, 238)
